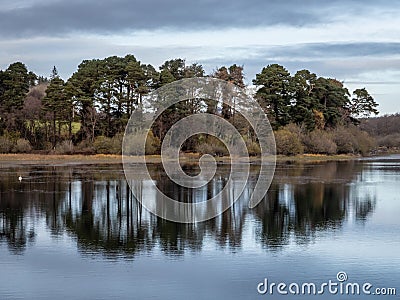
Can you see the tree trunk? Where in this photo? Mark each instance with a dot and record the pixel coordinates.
(54, 129)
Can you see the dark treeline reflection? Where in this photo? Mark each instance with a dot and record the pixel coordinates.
(94, 206)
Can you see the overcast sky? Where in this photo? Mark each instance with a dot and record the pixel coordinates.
(357, 42)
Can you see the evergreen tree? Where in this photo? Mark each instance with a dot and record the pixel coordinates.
(333, 100)
(15, 82)
(275, 93)
(55, 105)
(362, 104)
(304, 103)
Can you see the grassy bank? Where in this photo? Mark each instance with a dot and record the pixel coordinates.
(315, 158)
(116, 159)
(58, 159)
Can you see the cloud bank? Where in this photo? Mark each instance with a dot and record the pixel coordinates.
(354, 41)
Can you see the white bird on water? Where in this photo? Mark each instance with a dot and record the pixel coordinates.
(20, 178)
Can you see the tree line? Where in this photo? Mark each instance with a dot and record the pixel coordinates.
(89, 111)
(385, 129)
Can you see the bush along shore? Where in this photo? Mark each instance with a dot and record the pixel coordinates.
(186, 158)
(290, 140)
(87, 113)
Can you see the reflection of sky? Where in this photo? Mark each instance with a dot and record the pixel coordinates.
(376, 183)
(366, 249)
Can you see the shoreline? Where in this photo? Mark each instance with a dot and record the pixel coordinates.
(49, 159)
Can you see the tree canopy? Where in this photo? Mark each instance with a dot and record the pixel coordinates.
(100, 96)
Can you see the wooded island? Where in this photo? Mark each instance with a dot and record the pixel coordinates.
(87, 114)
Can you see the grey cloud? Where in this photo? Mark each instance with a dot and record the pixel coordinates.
(361, 64)
(60, 17)
(340, 60)
(348, 49)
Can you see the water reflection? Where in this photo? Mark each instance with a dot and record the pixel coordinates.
(94, 206)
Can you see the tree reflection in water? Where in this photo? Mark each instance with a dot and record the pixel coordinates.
(94, 205)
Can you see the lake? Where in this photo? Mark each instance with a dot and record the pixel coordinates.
(75, 231)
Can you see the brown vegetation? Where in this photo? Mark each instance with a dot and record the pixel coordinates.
(385, 130)
(294, 140)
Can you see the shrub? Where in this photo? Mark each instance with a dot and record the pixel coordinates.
(288, 143)
(22, 146)
(253, 148)
(106, 145)
(153, 144)
(65, 147)
(390, 141)
(353, 140)
(6, 145)
(84, 147)
(212, 149)
(344, 140)
(48, 146)
(364, 143)
(133, 144)
(319, 142)
(294, 128)
(211, 145)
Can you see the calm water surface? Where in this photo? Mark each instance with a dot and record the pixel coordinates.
(76, 232)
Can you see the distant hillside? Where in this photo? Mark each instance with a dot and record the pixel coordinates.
(385, 129)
